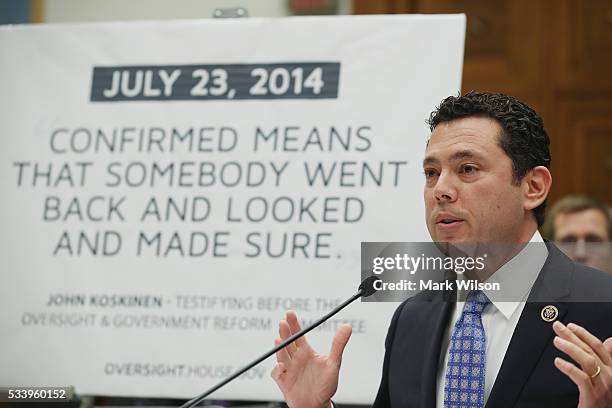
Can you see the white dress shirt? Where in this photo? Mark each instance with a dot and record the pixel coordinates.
(499, 319)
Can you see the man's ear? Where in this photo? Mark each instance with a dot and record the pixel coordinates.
(536, 185)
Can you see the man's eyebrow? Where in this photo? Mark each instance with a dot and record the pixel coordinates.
(460, 155)
(430, 160)
(465, 154)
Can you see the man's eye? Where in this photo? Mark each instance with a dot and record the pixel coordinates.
(468, 169)
(592, 238)
(429, 173)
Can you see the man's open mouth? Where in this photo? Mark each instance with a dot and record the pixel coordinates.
(448, 221)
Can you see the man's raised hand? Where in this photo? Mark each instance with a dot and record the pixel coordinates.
(307, 379)
(593, 375)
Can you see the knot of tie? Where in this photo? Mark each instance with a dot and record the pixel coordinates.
(476, 302)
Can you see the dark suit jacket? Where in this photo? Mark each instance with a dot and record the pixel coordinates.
(527, 376)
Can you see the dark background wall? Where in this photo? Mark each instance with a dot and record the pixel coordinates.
(15, 12)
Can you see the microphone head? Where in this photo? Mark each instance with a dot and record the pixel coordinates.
(367, 286)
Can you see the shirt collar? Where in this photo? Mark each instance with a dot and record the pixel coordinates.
(517, 275)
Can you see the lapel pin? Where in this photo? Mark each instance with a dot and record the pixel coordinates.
(549, 313)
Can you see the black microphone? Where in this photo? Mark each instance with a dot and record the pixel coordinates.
(366, 288)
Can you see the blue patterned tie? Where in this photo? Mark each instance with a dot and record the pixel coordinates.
(465, 372)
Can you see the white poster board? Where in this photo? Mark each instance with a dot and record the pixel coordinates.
(170, 188)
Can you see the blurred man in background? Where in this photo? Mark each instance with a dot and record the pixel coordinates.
(583, 228)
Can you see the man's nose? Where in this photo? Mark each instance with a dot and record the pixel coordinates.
(444, 189)
(580, 251)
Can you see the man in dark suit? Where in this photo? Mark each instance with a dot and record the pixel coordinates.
(487, 179)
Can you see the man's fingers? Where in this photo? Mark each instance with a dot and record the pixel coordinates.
(564, 332)
(608, 346)
(588, 362)
(294, 325)
(595, 344)
(340, 339)
(281, 355)
(575, 374)
(285, 333)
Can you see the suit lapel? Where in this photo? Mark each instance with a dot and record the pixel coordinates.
(532, 334)
(439, 315)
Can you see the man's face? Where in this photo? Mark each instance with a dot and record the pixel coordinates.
(469, 190)
(583, 236)
(588, 225)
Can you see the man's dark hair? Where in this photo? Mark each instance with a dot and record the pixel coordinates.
(523, 137)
